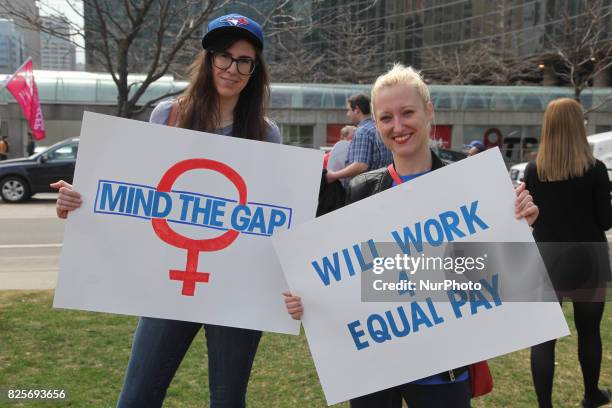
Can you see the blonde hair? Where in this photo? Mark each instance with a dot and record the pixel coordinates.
(401, 75)
(564, 151)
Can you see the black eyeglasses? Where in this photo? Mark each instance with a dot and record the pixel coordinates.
(223, 60)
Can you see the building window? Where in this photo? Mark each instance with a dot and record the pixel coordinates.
(298, 135)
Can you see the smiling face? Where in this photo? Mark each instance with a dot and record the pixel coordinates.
(402, 119)
(229, 82)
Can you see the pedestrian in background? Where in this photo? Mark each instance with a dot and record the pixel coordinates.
(475, 147)
(332, 195)
(31, 144)
(4, 148)
(347, 132)
(367, 151)
(571, 188)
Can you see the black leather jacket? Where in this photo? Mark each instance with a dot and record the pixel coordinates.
(375, 181)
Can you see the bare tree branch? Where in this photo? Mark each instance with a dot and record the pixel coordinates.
(127, 36)
(322, 47)
(152, 102)
(581, 47)
(599, 105)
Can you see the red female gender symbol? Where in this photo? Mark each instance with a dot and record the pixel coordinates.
(194, 246)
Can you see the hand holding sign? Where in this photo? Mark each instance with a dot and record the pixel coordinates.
(328, 260)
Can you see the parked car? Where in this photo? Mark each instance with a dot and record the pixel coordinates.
(21, 178)
(601, 144)
(602, 149)
(517, 173)
(40, 149)
(450, 156)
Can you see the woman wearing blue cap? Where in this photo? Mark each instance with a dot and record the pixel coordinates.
(227, 95)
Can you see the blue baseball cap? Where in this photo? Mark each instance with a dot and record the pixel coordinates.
(235, 23)
(477, 144)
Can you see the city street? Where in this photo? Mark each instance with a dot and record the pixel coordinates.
(30, 244)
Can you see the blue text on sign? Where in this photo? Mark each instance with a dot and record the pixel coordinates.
(140, 201)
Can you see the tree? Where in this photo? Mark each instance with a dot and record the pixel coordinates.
(472, 64)
(581, 45)
(478, 63)
(287, 29)
(486, 51)
(294, 62)
(353, 50)
(127, 35)
(321, 42)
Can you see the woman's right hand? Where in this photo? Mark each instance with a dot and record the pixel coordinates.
(68, 199)
(294, 305)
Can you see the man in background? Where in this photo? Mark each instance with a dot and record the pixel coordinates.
(367, 151)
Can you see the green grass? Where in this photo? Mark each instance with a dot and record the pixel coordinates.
(86, 354)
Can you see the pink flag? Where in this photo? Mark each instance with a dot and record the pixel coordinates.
(23, 88)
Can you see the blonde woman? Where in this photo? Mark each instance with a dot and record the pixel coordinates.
(571, 188)
(402, 109)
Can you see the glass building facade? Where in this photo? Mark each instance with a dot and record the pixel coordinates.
(310, 115)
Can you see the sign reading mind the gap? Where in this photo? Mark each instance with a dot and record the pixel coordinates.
(176, 224)
(361, 342)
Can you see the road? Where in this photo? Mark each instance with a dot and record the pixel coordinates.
(30, 244)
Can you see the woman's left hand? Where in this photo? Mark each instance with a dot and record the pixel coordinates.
(524, 206)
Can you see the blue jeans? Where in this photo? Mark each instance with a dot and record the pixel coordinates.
(159, 347)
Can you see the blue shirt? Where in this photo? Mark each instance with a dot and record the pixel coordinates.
(367, 147)
(409, 177)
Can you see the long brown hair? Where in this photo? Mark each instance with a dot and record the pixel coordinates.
(199, 104)
(564, 151)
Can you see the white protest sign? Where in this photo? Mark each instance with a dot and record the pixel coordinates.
(176, 224)
(362, 347)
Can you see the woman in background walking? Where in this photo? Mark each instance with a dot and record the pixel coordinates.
(572, 190)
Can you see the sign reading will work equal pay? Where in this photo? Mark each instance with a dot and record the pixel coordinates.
(361, 347)
(176, 224)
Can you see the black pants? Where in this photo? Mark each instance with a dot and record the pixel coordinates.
(587, 318)
(451, 395)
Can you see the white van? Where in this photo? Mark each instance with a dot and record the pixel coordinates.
(601, 143)
(602, 149)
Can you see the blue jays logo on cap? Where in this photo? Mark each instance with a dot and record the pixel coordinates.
(233, 23)
(236, 20)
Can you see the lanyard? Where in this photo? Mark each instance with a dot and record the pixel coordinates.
(398, 180)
